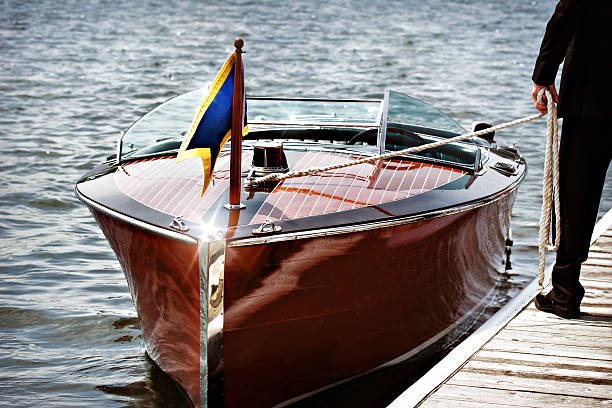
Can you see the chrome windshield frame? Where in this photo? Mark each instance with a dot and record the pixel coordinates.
(382, 130)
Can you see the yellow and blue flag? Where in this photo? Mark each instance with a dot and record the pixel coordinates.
(212, 125)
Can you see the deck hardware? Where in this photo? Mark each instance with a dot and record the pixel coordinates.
(233, 207)
(510, 152)
(489, 137)
(478, 161)
(268, 157)
(506, 169)
(179, 224)
(267, 227)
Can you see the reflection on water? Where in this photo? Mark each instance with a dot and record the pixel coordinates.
(74, 74)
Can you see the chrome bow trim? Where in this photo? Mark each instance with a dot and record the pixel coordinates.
(212, 266)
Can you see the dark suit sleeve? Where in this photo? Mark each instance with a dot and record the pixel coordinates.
(559, 32)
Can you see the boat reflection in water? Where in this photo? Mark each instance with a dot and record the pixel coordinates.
(321, 278)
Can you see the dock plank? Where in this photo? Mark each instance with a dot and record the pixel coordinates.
(592, 374)
(603, 332)
(605, 240)
(563, 350)
(538, 359)
(599, 256)
(528, 333)
(473, 396)
(601, 249)
(599, 261)
(501, 381)
(532, 315)
(598, 273)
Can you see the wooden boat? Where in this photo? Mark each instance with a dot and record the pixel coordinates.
(320, 278)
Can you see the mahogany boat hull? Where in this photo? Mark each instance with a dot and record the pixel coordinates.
(302, 314)
(163, 278)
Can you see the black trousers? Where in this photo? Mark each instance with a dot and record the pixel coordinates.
(585, 153)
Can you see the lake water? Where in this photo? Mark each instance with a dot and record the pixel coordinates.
(73, 74)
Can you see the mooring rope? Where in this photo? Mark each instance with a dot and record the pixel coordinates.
(316, 170)
(550, 186)
(551, 172)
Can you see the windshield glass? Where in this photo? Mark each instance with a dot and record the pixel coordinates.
(313, 111)
(164, 128)
(404, 109)
(411, 122)
(165, 123)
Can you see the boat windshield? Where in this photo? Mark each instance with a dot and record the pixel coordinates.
(410, 122)
(313, 112)
(163, 129)
(406, 110)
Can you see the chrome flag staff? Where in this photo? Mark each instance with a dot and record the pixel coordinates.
(212, 125)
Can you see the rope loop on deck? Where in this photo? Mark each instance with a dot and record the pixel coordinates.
(550, 186)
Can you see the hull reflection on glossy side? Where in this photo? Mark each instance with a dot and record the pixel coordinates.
(316, 311)
(162, 275)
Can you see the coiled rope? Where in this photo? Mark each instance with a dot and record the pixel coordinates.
(551, 172)
(550, 186)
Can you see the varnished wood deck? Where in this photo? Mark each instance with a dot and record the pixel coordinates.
(176, 188)
(537, 359)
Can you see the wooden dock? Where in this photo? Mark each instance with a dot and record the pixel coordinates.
(534, 359)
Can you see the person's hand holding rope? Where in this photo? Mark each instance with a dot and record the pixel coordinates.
(542, 107)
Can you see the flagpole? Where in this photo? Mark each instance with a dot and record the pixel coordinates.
(236, 135)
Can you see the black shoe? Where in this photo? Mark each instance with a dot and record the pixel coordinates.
(547, 304)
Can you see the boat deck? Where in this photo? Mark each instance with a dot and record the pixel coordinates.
(536, 359)
(175, 189)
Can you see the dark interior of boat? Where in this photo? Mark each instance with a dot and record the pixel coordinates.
(399, 137)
